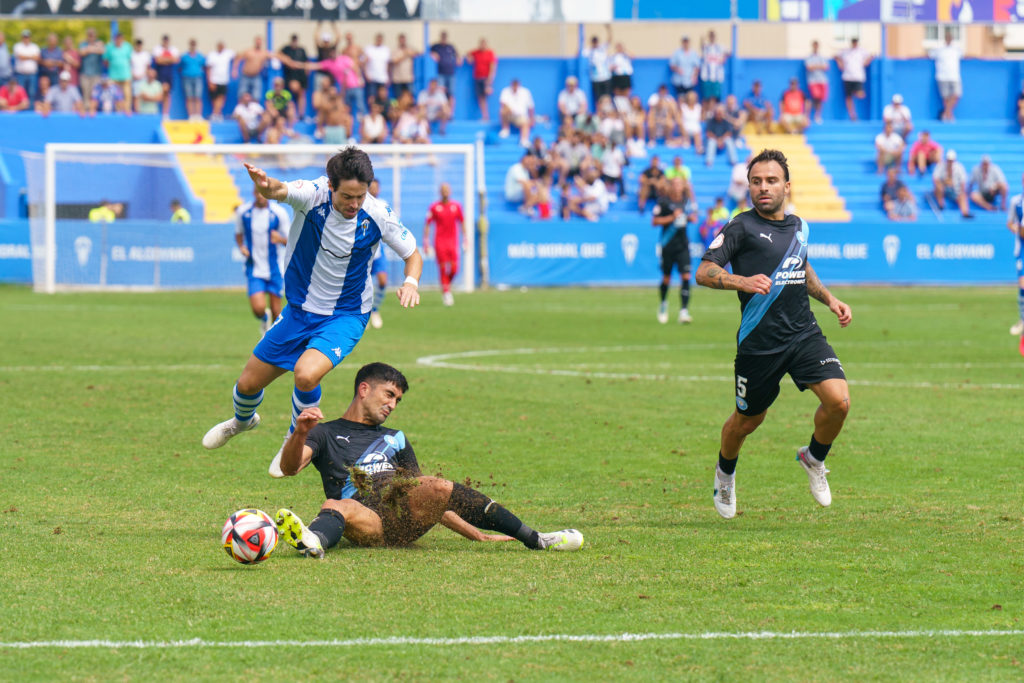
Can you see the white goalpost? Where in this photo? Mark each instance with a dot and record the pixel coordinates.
(136, 246)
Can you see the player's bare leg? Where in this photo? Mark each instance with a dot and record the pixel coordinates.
(248, 394)
(734, 432)
(834, 395)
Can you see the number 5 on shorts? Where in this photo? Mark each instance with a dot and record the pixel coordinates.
(741, 386)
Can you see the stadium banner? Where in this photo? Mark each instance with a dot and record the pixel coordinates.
(372, 10)
(146, 254)
(894, 11)
(15, 252)
(538, 11)
(540, 254)
(674, 10)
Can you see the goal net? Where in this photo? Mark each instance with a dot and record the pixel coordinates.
(132, 243)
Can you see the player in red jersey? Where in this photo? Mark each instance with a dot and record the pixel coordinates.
(447, 216)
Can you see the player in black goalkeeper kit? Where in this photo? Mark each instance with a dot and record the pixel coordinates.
(778, 333)
(376, 494)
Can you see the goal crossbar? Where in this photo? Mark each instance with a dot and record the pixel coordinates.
(395, 157)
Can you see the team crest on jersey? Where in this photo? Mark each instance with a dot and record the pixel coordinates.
(364, 226)
(717, 242)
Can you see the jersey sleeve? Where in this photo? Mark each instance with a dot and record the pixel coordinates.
(396, 235)
(722, 248)
(315, 440)
(302, 193)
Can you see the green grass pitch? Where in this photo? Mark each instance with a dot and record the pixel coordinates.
(572, 407)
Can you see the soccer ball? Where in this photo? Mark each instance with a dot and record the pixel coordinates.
(249, 536)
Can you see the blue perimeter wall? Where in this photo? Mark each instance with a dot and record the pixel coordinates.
(553, 253)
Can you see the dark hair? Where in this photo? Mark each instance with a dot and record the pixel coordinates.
(350, 163)
(378, 373)
(770, 155)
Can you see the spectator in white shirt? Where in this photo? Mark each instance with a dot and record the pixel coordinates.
(27, 56)
(375, 61)
(947, 75)
(249, 115)
(889, 148)
(853, 64)
(572, 101)
(592, 199)
(218, 75)
(517, 109)
(520, 187)
(987, 184)
(898, 114)
(434, 103)
(622, 71)
(950, 180)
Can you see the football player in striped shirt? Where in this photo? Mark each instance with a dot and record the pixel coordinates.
(337, 231)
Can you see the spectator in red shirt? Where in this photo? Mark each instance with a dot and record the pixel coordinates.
(793, 109)
(485, 65)
(447, 216)
(13, 97)
(924, 154)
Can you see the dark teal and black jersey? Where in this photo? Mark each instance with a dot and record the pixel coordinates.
(341, 444)
(777, 249)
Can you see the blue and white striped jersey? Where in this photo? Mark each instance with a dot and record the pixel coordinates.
(1016, 217)
(329, 256)
(266, 259)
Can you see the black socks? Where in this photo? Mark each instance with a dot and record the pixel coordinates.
(329, 526)
(484, 513)
(819, 450)
(727, 466)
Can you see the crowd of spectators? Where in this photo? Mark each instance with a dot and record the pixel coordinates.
(601, 133)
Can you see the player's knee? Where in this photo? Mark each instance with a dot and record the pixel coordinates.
(306, 379)
(838, 406)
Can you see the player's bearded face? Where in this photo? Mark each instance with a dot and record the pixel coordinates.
(768, 187)
(380, 401)
(348, 197)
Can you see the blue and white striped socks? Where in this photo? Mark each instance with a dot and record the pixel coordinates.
(245, 405)
(378, 295)
(1020, 302)
(302, 400)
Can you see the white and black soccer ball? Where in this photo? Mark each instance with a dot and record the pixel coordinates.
(249, 536)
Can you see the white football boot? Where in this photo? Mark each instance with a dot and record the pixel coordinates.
(222, 433)
(1018, 328)
(816, 475)
(663, 313)
(725, 495)
(561, 541)
(685, 317)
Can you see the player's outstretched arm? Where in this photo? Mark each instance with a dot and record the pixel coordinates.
(296, 454)
(271, 188)
(820, 292)
(714, 276)
(467, 530)
(409, 293)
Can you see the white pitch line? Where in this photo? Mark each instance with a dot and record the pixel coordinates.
(444, 361)
(509, 640)
(183, 367)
